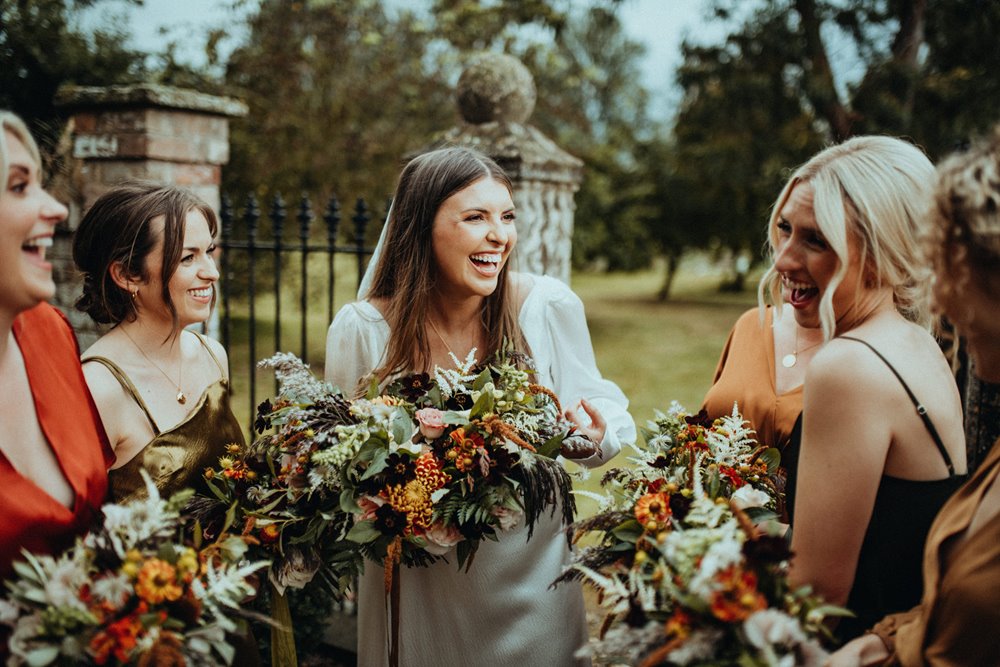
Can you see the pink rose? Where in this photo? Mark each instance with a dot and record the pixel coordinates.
(368, 505)
(431, 422)
(507, 517)
(441, 538)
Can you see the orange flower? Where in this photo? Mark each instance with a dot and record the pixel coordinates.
(429, 472)
(738, 597)
(270, 533)
(462, 453)
(678, 626)
(165, 652)
(653, 511)
(117, 640)
(157, 582)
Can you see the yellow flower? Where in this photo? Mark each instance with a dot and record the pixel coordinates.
(157, 582)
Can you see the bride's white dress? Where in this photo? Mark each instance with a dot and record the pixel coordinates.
(502, 612)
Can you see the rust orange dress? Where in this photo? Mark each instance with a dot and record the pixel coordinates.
(745, 376)
(31, 519)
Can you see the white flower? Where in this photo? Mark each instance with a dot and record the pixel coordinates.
(296, 569)
(63, 583)
(441, 538)
(8, 612)
(113, 589)
(699, 646)
(770, 627)
(747, 496)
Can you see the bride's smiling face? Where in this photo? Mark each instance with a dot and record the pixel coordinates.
(472, 238)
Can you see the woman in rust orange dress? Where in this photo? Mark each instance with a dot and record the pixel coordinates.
(53, 452)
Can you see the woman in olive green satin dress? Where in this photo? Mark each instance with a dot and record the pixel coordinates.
(146, 251)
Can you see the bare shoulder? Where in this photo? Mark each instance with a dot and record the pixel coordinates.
(216, 347)
(847, 370)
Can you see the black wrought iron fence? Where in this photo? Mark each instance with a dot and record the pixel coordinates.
(273, 267)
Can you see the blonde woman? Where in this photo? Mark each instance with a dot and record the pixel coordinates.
(53, 452)
(956, 620)
(882, 445)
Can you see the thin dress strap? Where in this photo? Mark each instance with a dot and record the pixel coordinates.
(921, 410)
(127, 386)
(204, 343)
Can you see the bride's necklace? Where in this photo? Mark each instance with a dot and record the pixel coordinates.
(441, 337)
(180, 397)
(792, 357)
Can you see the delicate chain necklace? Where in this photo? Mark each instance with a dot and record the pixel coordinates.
(446, 345)
(181, 398)
(792, 357)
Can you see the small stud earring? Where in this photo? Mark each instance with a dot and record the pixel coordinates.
(134, 293)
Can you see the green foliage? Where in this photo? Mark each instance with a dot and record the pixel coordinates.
(43, 47)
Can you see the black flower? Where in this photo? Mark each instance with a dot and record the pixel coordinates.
(413, 387)
(459, 402)
(399, 469)
(679, 506)
(390, 522)
(767, 549)
(700, 419)
(263, 421)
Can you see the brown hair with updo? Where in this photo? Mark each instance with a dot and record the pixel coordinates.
(118, 229)
(963, 237)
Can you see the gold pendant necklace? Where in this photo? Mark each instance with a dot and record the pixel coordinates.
(180, 397)
(792, 357)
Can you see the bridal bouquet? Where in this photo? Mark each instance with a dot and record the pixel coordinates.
(684, 575)
(406, 475)
(133, 592)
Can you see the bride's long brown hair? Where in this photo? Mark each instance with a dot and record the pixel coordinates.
(406, 274)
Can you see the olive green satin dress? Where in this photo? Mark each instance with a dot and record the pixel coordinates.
(176, 458)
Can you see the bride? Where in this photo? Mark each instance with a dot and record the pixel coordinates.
(439, 286)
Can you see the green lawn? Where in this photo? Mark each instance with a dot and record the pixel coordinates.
(655, 351)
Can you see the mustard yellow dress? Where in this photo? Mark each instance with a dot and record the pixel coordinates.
(177, 457)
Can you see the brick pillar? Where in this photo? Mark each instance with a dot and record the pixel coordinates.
(148, 131)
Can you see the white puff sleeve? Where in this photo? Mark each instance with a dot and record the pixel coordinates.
(555, 327)
(355, 344)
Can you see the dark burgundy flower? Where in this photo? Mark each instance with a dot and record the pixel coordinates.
(700, 419)
(413, 387)
(389, 521)
(767, 549)
(399, 469)
(263, 421)
(459, 402)
(679, 506)
(660, 461)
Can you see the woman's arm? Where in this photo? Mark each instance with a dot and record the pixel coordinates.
(576, 377)
(353, 347)
(845, 440)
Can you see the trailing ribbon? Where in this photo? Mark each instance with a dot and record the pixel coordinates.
(282, 639)
(392, 558)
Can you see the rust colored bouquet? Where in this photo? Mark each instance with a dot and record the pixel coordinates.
(136, 591)
(684, 575)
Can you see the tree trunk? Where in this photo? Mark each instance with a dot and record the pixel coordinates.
(819, 86)
(668, 280)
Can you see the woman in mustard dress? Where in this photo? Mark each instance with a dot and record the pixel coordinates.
(163, 391)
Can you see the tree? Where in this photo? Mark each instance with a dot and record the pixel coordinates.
(42, 47)
(338, 93)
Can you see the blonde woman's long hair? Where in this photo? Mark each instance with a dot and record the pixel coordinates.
(406, 274)
(876, 188)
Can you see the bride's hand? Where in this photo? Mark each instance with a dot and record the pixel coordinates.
(577, 448)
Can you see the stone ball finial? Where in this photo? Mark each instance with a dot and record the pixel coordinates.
(495, 87)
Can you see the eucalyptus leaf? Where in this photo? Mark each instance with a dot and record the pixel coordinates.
(364, 532)
(482, 380)
(482, 406)
(377, 464)
(772, 458)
